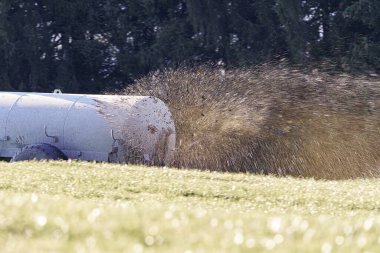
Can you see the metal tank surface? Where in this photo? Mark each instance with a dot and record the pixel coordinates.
(106, 128)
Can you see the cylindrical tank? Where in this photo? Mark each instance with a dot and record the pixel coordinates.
(136, 129)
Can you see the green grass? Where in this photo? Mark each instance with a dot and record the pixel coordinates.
(87, 207)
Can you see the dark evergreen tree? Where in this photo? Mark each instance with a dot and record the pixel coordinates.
(292, 19)
(359, 31)
(92, 46)
(237, 32)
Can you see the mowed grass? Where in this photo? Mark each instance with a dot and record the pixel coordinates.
(88, 207)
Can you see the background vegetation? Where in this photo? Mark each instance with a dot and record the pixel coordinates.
(92, 46)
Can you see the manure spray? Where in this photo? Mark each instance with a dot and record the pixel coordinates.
(272, 120)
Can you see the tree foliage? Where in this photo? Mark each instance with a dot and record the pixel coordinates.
(92, 46)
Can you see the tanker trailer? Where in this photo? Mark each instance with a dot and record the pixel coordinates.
(104, 128)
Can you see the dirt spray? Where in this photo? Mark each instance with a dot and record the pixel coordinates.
(272, 119)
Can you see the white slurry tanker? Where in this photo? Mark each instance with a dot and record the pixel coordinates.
(104, 128)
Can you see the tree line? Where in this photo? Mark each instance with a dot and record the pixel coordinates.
(98, 45)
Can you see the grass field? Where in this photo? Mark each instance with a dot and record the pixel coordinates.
(88, 207)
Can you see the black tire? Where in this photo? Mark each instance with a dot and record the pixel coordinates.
(42, 151)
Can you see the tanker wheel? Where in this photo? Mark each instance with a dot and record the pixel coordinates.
(42, 151)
